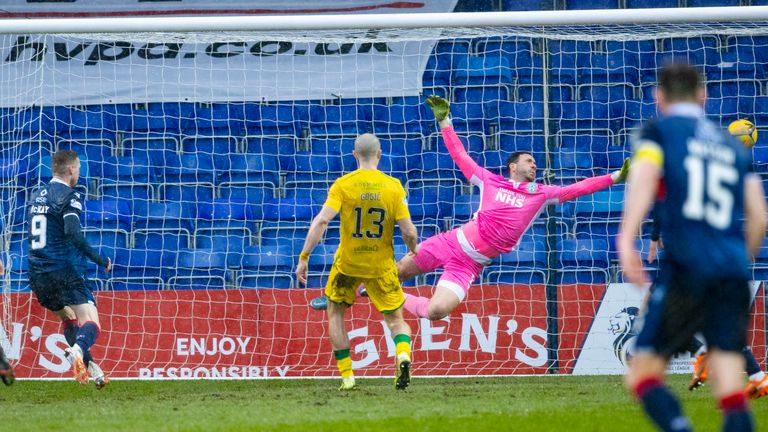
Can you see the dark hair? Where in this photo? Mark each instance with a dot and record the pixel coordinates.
(61, 160)
(516, 155)
(679, 81)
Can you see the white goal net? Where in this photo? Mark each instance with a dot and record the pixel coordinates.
(206, 154)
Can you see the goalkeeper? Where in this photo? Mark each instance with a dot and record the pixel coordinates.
(507, 209)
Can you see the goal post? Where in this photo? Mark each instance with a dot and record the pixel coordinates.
(209, 143)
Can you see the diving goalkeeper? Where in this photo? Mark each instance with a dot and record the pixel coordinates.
(507, 208)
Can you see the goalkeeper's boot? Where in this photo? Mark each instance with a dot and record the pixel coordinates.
(348, 384)
(319, 303)
(403, 377)
(75, 357)
(700, 372)
(6, 370)
(100, 379)
(757, 388)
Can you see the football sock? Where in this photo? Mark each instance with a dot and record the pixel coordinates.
(344, 362)
(661, 406)
(70, 334)
(402, 345)
(736, 413)
(752, 366)
(86, 336)
(416, 305)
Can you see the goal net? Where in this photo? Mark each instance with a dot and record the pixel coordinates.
(206, 154)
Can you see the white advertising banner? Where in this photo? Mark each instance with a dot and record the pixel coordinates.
(76, 70)
(610, 342)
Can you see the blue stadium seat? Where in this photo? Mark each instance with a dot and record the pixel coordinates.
(445, 57)
(465, 206)
(266, 267)
(605, 204)
(201, 269)
(171, 239)
(720, 89)
(287, 210)
(583, 260)
(607, 67)
(116, 239)
(512, 142)
(107, 214)
(187, 193)
(482, 70)
(26, 123)
(760, 157)
(526, 264)
(218, 145)
(272, 119)
(140, 263)
(594, 147)
(248, 169)
(322, 258)
(227, 241)
(345, 119)
(227, 119)
(334, 145)
(432, 198)
(469, 116)
(161, 117)
(482, 93)
(316, 191)
(188, 168)
(634, 112)
(254, 194)
(583, 115)
(89, 122)
(92, 149)
(698, 50)
(606, 92)
(148, 144)
(26, 152)
(723, 110)
(404, 115)
(741, 64)
(516, 116)
(302, 166)
(224, 215)
(128, 169)
(434, 165)
(284, 233)
(161, 215)
(270, 144)
(128, 191)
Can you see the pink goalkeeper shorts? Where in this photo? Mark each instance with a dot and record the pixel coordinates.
(444, 251)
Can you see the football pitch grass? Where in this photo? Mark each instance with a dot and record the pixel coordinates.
(547, 403)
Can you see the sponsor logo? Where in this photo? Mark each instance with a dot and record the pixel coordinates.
(512, 198)
(76, 204)
(531, 188)
(624, 327)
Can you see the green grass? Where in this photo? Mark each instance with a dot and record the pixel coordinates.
(477, 404)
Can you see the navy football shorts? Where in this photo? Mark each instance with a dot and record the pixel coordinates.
(60, 288)
(679, 307)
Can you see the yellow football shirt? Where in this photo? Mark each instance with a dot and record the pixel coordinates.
(369, 202)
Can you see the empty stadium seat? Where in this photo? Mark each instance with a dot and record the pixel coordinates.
(516, 116)
(218, 145)
(444, 58)
(527, 263)
(287, 210)
(583, 260)
(273, 119)
(591, 4)
(266, 267)
(482, 70)
(225, 119)
(161, 117)
(201, 269)
(187, 168)
(107, 214)
(404, 115)
(248, 169)
(344, 119)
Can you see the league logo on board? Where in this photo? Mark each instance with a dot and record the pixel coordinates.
(623, 326)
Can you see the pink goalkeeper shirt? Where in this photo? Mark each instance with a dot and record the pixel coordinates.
(507, 208)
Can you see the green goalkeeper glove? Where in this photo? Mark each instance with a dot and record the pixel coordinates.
(621, 175)
(441, 108)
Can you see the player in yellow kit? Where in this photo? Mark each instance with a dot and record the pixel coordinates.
(369, 202)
